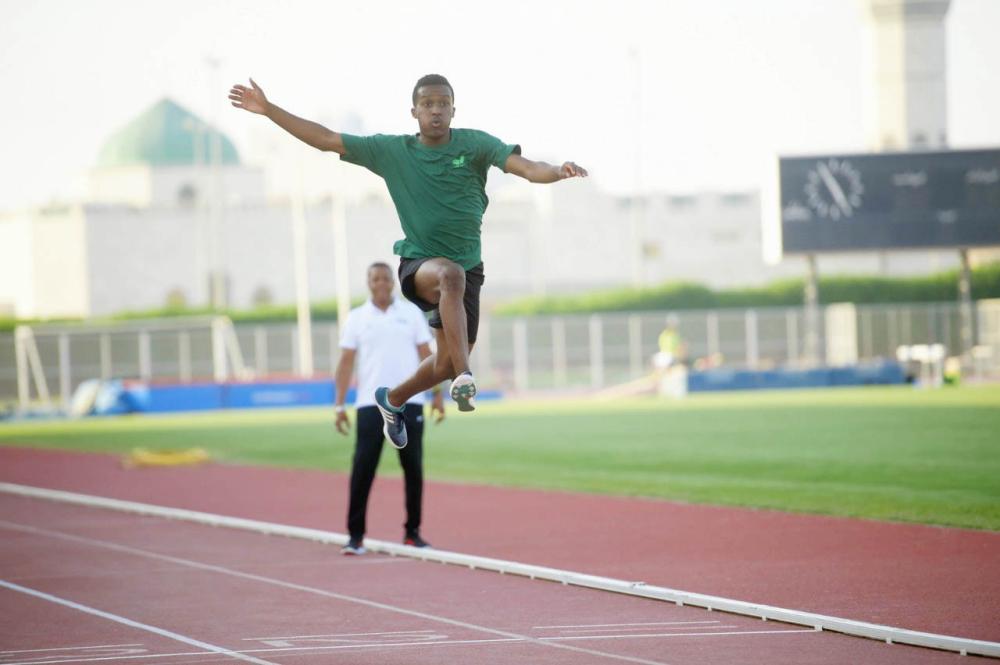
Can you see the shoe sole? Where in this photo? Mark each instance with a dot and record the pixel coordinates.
(464, 396)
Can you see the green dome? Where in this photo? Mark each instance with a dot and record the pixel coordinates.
(165, 135)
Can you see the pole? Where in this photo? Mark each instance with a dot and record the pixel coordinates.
(339, 221)
(299, 257)
(811, 297)
(965, 307)
(637, 203)
(216, 289)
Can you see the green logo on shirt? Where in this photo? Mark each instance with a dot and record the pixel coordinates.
(458, 163)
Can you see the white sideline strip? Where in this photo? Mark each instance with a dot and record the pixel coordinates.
(786, 631)
(134, 624)
(510, 636)
(874, 631)
(413, 633)
(98, 646)
(616, 625)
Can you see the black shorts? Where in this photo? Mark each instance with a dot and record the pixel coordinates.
(473, 284)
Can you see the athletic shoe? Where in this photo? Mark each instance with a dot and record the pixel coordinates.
(463, 391)
(354, 547)
(394, 427)
(413, 539)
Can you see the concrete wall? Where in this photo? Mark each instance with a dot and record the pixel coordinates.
(60, 277)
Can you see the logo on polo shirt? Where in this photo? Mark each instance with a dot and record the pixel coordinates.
(458, 162)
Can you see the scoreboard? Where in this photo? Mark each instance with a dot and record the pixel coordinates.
(884, 201)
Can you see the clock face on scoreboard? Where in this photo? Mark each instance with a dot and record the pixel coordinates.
(879, 201)
(833, 188)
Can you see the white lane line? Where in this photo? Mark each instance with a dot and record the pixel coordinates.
(635, 630)
(320, 592)
(732, 632)
(375, 646)
(99, 646)
(336, 635)
(291, 651)
(615, 625)
(129, 622)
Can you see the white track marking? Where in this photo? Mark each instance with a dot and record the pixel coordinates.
(374, 646)
(73, 648)
(615, 625)
(890, 634)
(629, 637)
(336, 635)
(610, 631)
(133, 624)
(320, 592)
(292, 651)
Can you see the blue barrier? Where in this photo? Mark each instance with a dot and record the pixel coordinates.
(887, 373)
(119, 397)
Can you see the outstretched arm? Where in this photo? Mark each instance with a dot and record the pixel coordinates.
(542, 172)
(252, 99)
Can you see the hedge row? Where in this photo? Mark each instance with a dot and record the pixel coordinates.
(939, 287)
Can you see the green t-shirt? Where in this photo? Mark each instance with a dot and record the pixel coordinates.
(439, 191)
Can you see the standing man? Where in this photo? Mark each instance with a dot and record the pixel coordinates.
(389, 338)
(437, 180)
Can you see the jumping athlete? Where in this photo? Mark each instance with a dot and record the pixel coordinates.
(437, 181)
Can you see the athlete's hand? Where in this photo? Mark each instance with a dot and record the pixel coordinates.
(342, 422)
(571, 170)
(437, 407)
(251, 99)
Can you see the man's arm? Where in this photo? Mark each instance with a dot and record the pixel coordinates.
(342, 378)
(542, 172)
(252, 99)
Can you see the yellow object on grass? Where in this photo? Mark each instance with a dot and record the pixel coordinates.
(146, 457)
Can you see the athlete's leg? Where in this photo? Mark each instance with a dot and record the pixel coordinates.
(442, 282)
(434, 369)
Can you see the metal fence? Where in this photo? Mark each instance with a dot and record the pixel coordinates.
(537, 353)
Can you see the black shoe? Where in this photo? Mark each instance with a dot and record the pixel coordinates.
(413, 539)
(354, 547)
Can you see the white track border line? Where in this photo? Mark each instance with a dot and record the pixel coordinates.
(888, 634)
(117, 618)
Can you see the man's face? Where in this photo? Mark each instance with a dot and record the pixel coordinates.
(434, 111)
(380, 283)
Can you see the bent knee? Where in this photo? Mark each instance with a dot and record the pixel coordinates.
(451, 277)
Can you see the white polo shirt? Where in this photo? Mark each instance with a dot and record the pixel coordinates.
(386, 345)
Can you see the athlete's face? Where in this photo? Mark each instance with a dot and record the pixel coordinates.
(380, 283)
(434, 111)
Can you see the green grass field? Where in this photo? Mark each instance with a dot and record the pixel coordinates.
(882, 453)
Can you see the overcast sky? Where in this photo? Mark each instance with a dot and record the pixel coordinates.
(722, 84)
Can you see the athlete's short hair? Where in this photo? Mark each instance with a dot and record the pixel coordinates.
(432, 79)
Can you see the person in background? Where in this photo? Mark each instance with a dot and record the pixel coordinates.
(672, 348)
(387, 338)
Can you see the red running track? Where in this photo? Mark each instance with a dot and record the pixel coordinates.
(922, 578)
(85, 585)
